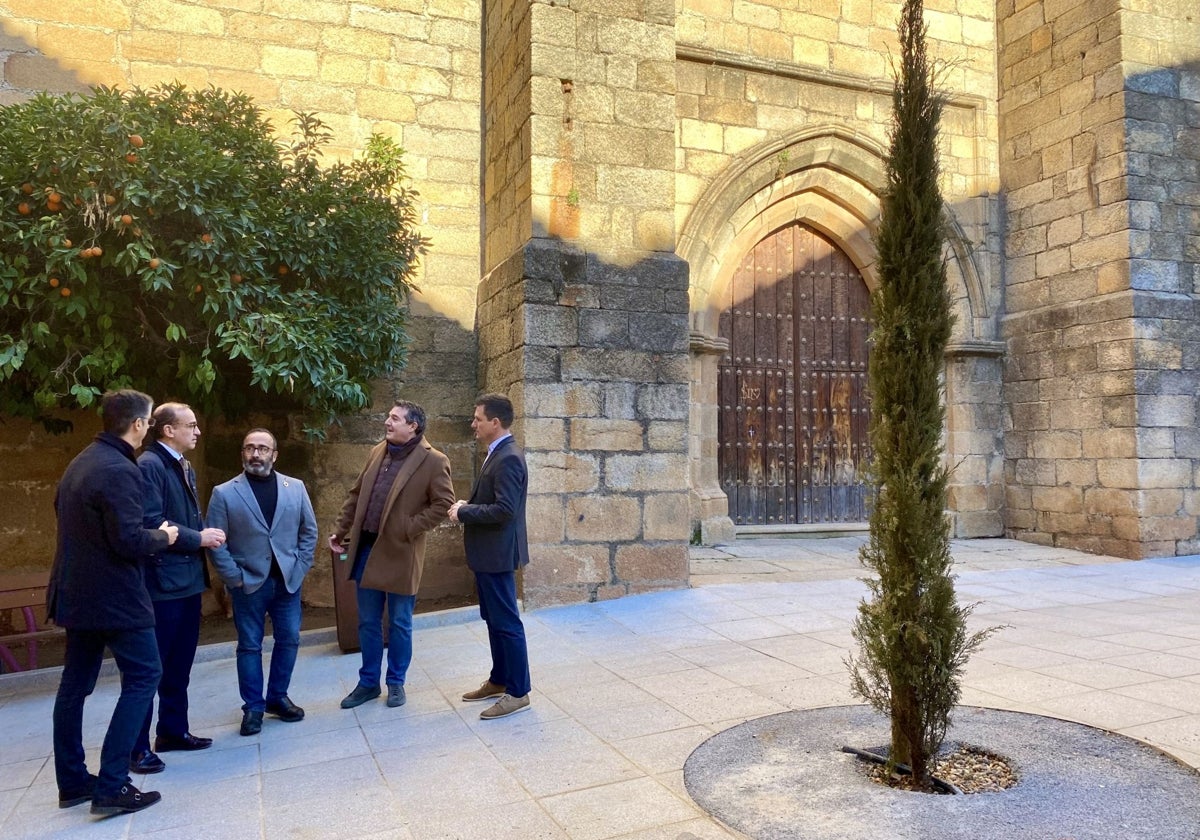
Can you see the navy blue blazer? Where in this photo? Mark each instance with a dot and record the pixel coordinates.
(180, 571)
(98, 581)
(494, 532)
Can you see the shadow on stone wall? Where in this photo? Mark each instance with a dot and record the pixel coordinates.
(593, 351)
(440, 376)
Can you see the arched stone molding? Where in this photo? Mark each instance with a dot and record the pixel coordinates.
(829, 178)
(822, 162)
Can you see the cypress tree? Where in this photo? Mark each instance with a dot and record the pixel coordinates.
(913, 642)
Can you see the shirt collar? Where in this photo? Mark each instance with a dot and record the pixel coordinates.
(178, 456)
(497, 442)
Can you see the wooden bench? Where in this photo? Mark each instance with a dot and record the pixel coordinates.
(24, 591)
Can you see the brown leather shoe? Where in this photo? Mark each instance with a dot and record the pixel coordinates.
(485, 692)
(126, 801)
(79, 795)
(505, 706)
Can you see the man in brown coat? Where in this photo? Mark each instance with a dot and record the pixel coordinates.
(403, 491)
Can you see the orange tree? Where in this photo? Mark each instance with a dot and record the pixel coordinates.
(165, 239)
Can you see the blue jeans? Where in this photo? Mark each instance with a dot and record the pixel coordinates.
(506, 633)
(250, 611)
(370, 628)
(136, 653)
(177, 629)
(370, 635)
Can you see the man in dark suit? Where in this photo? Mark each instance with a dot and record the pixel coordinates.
(403, 491)
(97, 592)
(175, 579)
(496, 544)
(271, 534)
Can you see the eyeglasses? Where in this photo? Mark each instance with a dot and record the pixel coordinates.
(257, 450)
(184, 425)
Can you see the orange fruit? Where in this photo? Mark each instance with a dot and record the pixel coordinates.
(127, 219)
(109, 199)
(136, 141)
(53, 282)
(155, 262)
(283, 270)
(131, 158)
(53, 197)
(65, 292)
(198, 288)
(66, 243)
(97, 251)
(23, 208)
(206, 238)
(27, 188)
(236, 278)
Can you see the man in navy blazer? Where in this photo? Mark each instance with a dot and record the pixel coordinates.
(497, 546)
(175, 578)
(271, 535)
(97, 593)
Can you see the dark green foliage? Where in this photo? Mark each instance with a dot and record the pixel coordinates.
(911, 631)
(230, 262)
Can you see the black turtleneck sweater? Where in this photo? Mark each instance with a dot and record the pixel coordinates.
(266, 492)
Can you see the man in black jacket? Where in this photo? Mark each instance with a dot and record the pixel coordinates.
(97, 592)
(495, 539)
(175, 578)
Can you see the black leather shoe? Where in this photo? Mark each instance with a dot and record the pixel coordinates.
(77, 796)
(285, 710)
(251, 723)
(127, 800)
(361, 694)
(187, 742)
(146, 762)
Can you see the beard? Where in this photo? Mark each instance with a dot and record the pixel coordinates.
(257, 466)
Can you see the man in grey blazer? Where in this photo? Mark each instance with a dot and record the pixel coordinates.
(271, 534)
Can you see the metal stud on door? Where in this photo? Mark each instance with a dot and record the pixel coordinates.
(793, 414)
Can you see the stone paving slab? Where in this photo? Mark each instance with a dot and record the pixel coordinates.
(623, 692)
(784, 777)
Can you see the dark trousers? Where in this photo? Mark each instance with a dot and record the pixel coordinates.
(177, 629)
(136, 653)
(506, 633)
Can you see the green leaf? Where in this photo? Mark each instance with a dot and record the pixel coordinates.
(213, 200)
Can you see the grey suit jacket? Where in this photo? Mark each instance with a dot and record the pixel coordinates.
(245, 558)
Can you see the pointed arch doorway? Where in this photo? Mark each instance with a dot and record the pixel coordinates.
(792, 389)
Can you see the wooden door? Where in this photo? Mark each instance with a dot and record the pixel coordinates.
(792, 426)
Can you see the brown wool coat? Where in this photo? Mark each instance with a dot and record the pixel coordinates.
(418, 502)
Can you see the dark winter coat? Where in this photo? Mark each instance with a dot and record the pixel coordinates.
(98, 580)
(180, 571)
